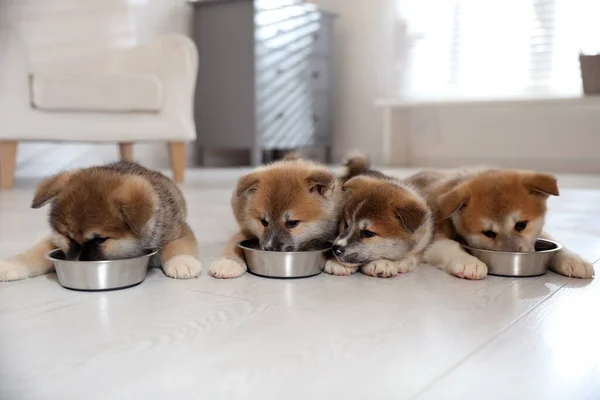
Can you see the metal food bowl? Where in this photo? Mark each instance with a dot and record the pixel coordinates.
(282, 264)
(518, 264)
(99, 275)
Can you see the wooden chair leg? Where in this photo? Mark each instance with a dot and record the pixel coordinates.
(8, 163)
(177, 157)
(126, 150)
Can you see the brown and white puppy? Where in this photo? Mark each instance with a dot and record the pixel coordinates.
(289, 205)
(490, 209)
(385, 224)
(120, 210)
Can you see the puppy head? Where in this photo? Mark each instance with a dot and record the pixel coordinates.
(288, 205)
(96, 214)
(380, 219)
(499, 210)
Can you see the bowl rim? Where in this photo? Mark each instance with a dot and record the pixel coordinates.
(241, 246)
(48, 256)
(558, 248)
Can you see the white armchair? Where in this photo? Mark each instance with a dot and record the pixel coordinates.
(138, 94)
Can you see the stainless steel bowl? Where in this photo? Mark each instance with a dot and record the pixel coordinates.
(282, 264)
(99, 275)
(505, 263)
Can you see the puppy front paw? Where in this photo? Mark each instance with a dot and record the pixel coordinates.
(335, 268)
(407, 264)
(226, 268)
(182, 266)
(573, 265)
(381, 268)
(468, 268)
(13, 270)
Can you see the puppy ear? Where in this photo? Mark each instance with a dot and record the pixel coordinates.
(453, 201)
(320, 181)
(136, 201)
(49, 188)
(247, 183)
(544, 184)
(412, 216)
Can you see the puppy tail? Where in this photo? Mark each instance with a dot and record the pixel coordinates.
(356, 164)
(292, 156)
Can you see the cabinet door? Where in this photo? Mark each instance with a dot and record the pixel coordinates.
(302, 23)
(321, 118)
(292, 125)
(318, 74)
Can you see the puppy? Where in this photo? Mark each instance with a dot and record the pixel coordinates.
(490, 209)
(385, 224)
(120, 210)
(289, 205)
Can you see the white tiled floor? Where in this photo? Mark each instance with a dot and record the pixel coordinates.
(422, 335)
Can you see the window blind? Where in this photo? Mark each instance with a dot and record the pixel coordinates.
(493, 48)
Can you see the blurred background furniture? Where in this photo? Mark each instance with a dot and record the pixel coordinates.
(266, 76)
(136, 93)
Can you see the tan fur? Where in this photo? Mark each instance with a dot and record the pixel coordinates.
(470, 204)
(393, 211)
(288, 190)
(120, 210)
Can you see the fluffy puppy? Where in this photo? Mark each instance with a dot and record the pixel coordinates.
(289, 205)
(501, 210)
(385, 224)
(120, 210)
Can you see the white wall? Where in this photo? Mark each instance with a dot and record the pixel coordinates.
(364, 71)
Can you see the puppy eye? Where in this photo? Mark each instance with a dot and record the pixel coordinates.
(98, 240)
(264, 222)
(346, 225)
(490, 234)
(366, 234)
(291, 224)
(520, 226)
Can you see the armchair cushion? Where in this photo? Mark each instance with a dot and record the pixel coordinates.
(96, 92)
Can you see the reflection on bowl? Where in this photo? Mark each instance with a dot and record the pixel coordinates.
(518, 264)
(100, 275)
(283, 264)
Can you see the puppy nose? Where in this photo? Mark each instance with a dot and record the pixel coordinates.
(337, 249)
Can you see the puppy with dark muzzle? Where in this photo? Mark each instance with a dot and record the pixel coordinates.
(120, 210)
(289, 205)
(385, 224)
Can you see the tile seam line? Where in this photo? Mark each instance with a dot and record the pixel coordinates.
(251, 301)
(450, 369)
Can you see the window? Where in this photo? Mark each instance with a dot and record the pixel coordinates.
(493, 48)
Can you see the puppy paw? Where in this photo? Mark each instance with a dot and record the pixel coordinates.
(226, 268)
(335, 268)
(407, 264)
(182, 266)
(381, 268)
(468, 268)
(13, 270)
(573, 265)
